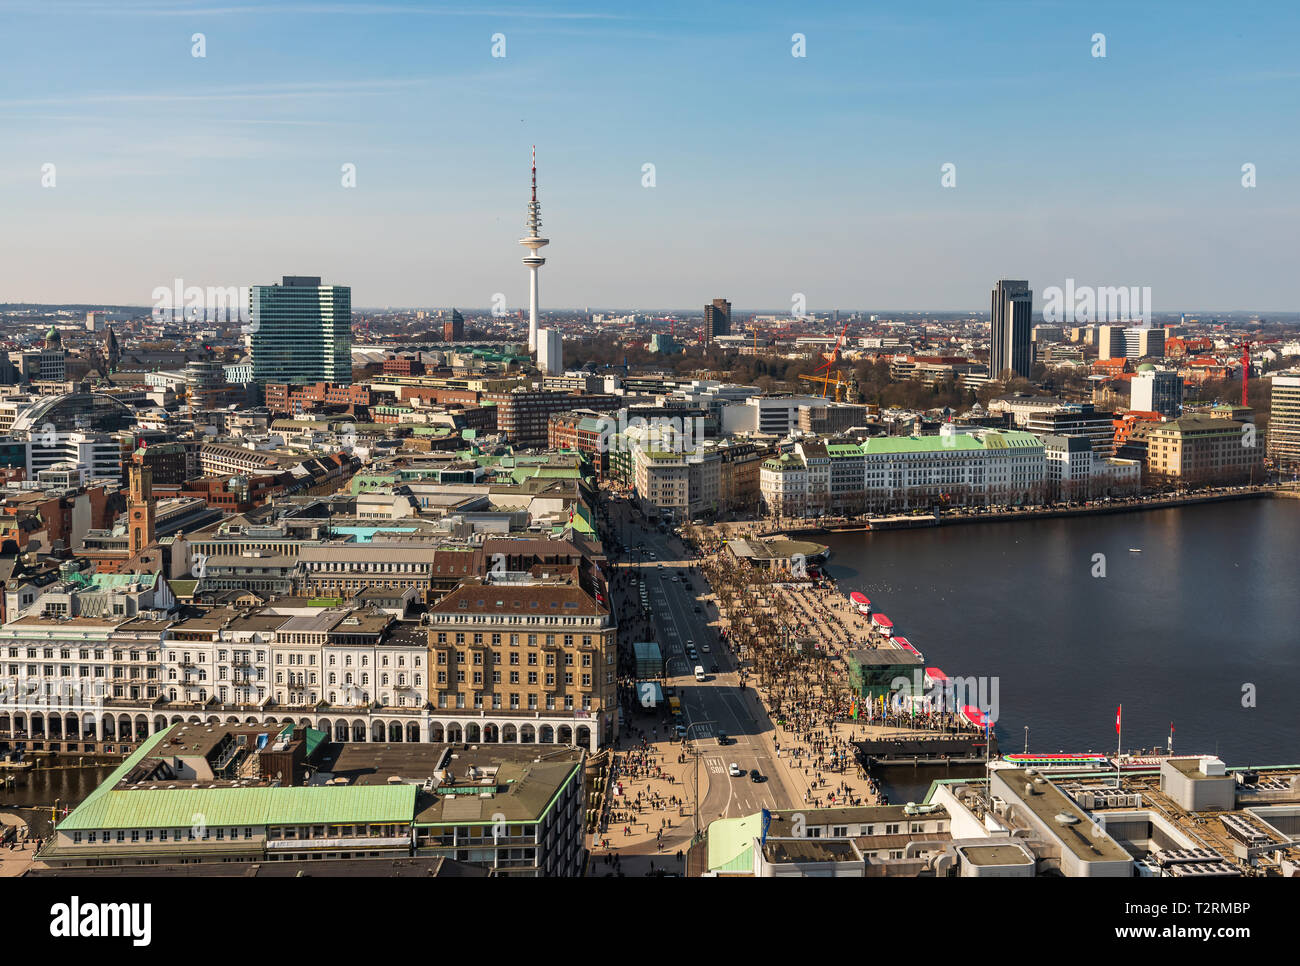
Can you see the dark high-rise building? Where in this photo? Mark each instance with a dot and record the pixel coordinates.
(453, 330)
(301, 332)
(112, 351)
(1010, 345)
(717, 319)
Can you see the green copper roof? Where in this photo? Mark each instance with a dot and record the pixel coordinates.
(225, 807)
(731, 843)
(1012, 439)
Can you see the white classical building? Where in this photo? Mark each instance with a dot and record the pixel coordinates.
(103, 684)
(957, 467)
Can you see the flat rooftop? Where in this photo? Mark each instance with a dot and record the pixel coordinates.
(990, 855)
(885, 656)
(1191, 768)
(1047, 802)
(509, 779)
(852, 815)
(810, 850)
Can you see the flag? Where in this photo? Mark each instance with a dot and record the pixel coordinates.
(767, 822)
(1118, 712)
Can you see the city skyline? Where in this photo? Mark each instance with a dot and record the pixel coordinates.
(227, 168)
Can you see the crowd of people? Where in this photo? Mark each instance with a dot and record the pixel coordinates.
(792, 637)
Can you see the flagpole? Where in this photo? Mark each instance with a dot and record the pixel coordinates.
(1119, 749)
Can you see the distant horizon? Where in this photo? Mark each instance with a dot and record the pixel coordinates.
(735, 311)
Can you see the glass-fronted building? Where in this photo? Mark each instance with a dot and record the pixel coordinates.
(301, 332)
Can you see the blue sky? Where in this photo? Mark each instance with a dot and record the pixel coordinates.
(774, 174)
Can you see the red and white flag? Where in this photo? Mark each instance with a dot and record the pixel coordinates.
(1118, 711)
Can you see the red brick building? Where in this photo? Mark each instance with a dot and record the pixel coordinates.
(403, 366)
(291, 399)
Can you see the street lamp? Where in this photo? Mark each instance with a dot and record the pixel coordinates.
(695, 754)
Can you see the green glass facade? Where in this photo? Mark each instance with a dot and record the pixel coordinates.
(301, 332)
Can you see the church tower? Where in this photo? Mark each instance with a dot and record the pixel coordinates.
(140, 509)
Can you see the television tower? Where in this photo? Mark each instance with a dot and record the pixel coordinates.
(533, 242)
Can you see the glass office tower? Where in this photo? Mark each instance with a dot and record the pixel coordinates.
(300, 331)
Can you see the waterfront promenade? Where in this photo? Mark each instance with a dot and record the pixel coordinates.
(804, 526)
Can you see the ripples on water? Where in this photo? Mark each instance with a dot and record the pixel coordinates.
(1173, 633)
(35, 791)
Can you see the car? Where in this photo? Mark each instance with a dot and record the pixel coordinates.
(755, 776)
(715, 669)
(723, 739)
(680, 730)
(735, 770)
(697, 609)
(704, 648)
(699, 672)
(674, 580)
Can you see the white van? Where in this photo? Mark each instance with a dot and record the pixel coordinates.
(699, 672)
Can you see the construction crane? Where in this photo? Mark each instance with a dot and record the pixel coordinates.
(1244, 346)
(1245, 373)
(826, 381)
(826, 367)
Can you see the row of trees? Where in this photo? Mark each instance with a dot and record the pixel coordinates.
(762, 622)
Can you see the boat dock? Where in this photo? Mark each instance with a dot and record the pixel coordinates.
(926, 749)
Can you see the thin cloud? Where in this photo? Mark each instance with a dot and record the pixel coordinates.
(347, 9)
(291, 91)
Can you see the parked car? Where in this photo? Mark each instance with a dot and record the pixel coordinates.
(735, 770)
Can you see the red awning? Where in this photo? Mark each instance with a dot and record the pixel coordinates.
(974, 715)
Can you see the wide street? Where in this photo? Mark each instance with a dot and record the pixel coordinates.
(718, 705)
